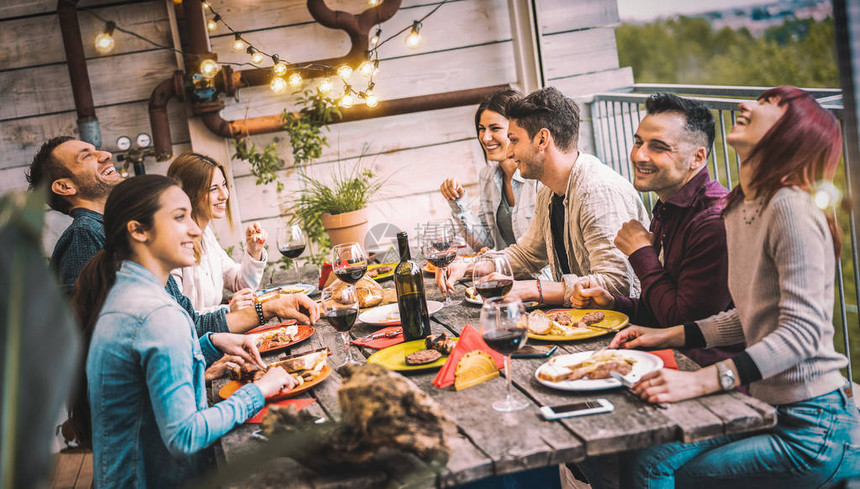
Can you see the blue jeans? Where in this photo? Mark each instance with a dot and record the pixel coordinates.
(815, 443)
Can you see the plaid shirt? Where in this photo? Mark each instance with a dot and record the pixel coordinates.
(85, 237)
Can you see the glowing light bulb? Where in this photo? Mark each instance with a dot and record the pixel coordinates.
(366, 68)
(278, 85)
(279, 69)
(374, 40)
(413, 40)
(346, 101)
(211, 25)
(325, 86)
(209, 67)
(345, 71)
(371, 100)
(374, 3)
(295, 80)
(256, 56)
(826, 195)
(206, 5)
(104, 43)
(239, 44)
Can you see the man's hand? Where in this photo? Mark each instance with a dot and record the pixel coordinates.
(222, 366)
(275, 379)
(633, 236)
(525, 290)
(242, 299)
(294, 306)
(255, 240)
(451, 189)
(587, 295)
(240, 345)
(455, 271)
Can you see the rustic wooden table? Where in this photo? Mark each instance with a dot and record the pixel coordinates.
(490, 443)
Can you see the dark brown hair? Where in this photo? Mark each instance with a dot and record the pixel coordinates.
(802, 148)
(549, 109)
(195, 173)
(46, 168)
(135, 199)
(498, 103)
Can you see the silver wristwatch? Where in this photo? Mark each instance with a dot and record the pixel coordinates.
(726, 376)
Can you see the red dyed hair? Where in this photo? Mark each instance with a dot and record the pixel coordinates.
(802, 148)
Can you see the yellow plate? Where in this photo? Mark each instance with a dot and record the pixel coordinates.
(614, 321)
(394, 357)
(381, 276)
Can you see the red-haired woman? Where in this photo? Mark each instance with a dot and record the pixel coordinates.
(782, 254)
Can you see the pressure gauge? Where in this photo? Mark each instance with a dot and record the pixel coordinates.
(143, 140)
(123, 143)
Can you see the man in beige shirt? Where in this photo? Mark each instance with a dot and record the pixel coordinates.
(578, 213)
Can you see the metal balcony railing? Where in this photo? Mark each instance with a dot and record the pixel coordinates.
(615, 116)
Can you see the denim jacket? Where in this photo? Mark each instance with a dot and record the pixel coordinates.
(150, 414)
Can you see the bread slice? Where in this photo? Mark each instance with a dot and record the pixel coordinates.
(539, 323)
(552, 373)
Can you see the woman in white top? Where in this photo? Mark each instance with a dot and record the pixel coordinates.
(507, 199)
(205, 182)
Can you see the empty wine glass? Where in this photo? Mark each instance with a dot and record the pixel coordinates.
(492, 275)
(504, 328)
(439, 247)
(349, 262)
(291, 244)
(340, 308)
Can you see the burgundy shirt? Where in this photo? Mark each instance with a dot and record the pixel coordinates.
(693, 284)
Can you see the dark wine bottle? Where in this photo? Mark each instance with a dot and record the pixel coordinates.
(411, 301)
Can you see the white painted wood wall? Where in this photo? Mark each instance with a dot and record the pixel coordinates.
(466, 44)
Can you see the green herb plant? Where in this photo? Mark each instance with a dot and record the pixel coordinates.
(306, 126)
(265, 164)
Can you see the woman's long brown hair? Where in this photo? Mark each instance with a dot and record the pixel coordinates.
(801, 149)
(195, 173)
(136, 199)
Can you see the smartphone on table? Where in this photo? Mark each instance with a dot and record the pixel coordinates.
(580, 408)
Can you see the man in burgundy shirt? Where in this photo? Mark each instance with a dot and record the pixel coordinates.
(682, 262)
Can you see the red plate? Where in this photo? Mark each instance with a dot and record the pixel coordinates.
(234, 385)
(266, 327)
(304, 333)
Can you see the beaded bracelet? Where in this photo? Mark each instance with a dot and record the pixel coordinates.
(540, 290)
(259, 307)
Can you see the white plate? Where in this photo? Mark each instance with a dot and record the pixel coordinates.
(306, 289)
(645, 363)
(382, 315)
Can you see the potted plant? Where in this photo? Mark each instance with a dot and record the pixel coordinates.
(336, 212)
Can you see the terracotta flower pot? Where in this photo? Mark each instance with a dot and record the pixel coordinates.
(346, 227)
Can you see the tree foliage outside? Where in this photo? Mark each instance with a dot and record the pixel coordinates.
(800, 52)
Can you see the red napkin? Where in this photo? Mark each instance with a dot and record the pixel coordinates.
(299, 404)
(668, 357)
(470, 340)
(325, 271)
(380, 343)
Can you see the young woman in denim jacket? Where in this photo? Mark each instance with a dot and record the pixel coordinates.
(782, 252)
(150, 419)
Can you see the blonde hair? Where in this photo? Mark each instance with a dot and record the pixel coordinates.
(195, 173)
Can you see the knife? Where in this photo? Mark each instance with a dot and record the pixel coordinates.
(628, 384)
(389, 334)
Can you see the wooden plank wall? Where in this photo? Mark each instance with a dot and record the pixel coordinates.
(466, 44)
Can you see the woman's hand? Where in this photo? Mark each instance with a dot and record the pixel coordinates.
(294, 306)
(667, 385)
(255, 240)
(240, 345)
(642, 337)
(222, 367)
(455, 271)
(242, 299)
(589, 296)
(451, 189)
(274, 380)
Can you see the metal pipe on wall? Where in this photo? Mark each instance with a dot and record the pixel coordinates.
(88, 123)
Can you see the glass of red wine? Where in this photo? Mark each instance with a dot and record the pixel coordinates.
(340, 308)
(439, 247)
(504, 328)
(349, 262)
(492, 275)
(291, 244)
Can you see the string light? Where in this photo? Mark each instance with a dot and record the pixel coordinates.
(206, 5)
(325, 86)
(374, 39)
(209, 67)
(826, 195)
(413, 40)
(278, 68)
(278, 85)
(374, 3)
(370, 99)
(366, 68)
(295, 80)
(212, 24)
(346, 101)
(345, 71)
(239, 44)
(104, 41)
(256, 56)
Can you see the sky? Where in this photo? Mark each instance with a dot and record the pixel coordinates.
(641, 10)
